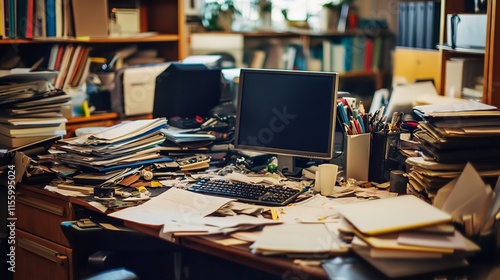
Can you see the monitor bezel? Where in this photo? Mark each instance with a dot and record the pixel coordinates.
(327, 155)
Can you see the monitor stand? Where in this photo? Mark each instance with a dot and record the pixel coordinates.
(286, 164)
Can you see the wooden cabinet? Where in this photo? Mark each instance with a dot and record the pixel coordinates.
(491, 80)
(40, 259)
(42, 250)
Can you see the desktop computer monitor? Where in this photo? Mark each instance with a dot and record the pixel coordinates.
(287, 113)
(187, 90)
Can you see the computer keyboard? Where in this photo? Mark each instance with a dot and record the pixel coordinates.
(254, 193)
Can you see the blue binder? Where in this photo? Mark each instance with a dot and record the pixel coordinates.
(420, 24)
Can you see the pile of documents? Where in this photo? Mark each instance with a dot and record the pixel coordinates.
(449, 136)
(31, 112)
(125, 145)
(404, 236)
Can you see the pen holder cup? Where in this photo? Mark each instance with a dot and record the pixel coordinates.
(356, 156)
(383, 156)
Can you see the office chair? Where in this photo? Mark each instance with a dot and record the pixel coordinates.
(115, 274)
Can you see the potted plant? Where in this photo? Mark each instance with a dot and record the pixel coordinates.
(329, 15)
(219, 16)
(265, 8)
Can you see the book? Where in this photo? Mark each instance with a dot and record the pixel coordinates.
(73, 63)
(15, 142)
(327, 55)
(13, 131)
(50, 9)
(258, 59)
(40, 19)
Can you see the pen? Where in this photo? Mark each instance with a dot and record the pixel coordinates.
(361, 124)
(343, 114)
(353, 128)
(347, 129)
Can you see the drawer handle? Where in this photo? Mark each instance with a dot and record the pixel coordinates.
(42, 251)
(42, 205)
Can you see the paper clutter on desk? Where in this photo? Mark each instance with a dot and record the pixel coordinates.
(470, 201)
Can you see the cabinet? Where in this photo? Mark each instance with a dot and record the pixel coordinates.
(42, 250)
(491, 78)
(416, 64)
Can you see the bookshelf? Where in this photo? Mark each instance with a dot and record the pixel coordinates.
(491, 80)
(305, 48)
(161, 24)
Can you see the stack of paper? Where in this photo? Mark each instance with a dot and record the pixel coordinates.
(470, 202)
(181, 212)
(407, 231)
(31, 112)
(459, 132)
(426, 177)
(450, 136)
(127, 144)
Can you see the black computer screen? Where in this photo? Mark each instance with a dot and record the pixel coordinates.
(287, 112)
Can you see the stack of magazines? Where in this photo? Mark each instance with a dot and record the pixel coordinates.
(125, 145)
(451, 135)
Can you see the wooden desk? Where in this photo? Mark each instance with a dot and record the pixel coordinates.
(40, 213)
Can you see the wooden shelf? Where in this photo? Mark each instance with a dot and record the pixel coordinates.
(104, 40)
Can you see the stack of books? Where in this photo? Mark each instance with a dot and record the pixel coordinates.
(405, 236)
(449, 136)
(31, 112)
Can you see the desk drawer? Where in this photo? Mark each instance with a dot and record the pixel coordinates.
(42, 215)
(37, 258)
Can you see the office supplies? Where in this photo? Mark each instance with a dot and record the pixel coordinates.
(253, 193)
(356, 156)
(273, 105)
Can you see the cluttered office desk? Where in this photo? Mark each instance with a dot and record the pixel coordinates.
(150, 176)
